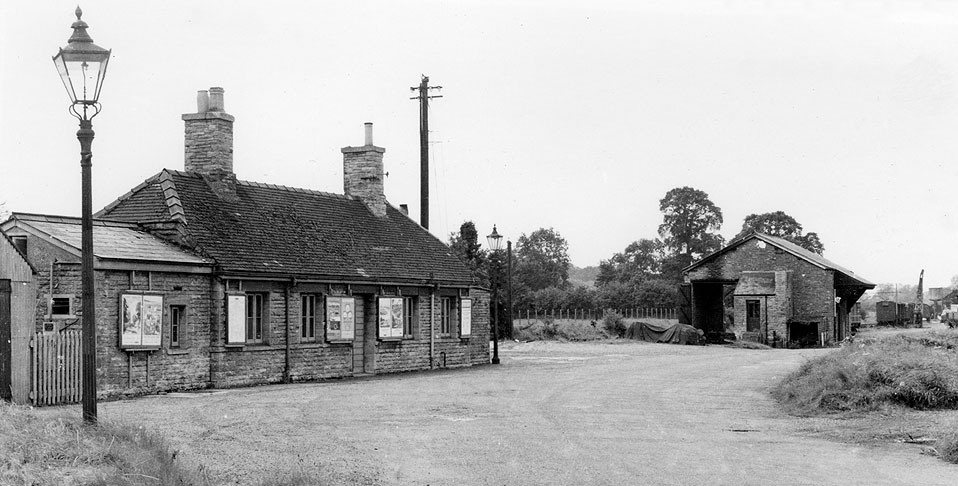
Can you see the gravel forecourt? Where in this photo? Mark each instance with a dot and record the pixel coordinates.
(552, 413)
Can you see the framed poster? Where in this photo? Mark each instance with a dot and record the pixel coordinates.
(340, 318)
(390, 317)
(236, 319)
(465, 320)
(141, 321)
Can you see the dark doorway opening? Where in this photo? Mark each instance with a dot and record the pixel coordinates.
(804, 334)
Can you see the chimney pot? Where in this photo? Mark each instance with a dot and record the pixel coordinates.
(202, 101)
(369, 133)
(216, 99)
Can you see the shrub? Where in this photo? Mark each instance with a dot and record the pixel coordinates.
(947, 446)
(614, 324)
(566, 330)
(870, 373)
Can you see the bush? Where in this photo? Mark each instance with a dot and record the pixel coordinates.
(565, 330)
(871, 373)
(947, 446)
(614, 324)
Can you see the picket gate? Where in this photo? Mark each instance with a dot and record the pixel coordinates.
(56, 360)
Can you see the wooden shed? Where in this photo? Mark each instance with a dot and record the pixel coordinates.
(18, 296)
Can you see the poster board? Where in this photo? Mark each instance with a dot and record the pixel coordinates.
(340, 318)
(141, 321)
(236, 319)
(390, 317)
(465, 320)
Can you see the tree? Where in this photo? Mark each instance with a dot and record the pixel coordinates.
(542, 260)
(465, 245)
(642, 259)
(783, 226)
(690, 222)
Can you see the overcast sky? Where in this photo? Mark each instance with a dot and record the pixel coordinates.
(577, 115)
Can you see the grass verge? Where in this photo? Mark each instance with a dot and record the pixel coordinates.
(890, 374)
(56, 448)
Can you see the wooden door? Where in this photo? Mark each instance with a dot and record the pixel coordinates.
(5, 339)
(753, 316)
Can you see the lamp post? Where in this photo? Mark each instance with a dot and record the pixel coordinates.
(495, 244)
(82, 67)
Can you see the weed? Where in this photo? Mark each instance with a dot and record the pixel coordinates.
(54, 448)
(614, 324)
(918, 373)
(947, 446)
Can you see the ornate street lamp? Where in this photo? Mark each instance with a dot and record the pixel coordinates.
(82, 67)
(495, 244)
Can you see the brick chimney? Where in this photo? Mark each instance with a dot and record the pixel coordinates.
(363, 174)
(209, 136)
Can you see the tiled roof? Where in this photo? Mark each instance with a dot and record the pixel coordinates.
(111, 240)
(788, 246)
(272, 229)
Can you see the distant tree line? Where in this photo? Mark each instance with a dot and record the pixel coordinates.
(645, 274)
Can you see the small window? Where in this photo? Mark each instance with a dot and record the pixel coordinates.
(20, 242)
(177, 319)
(308, 316)
(255, 318)
(409, 316)
(61, 306)
(445, 316)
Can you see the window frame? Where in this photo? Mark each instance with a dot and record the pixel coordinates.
(177, 322)
(410, 316)
(445, 316)
(71, 310)
(308, 321)
(252, 299)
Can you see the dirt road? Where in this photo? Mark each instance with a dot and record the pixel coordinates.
(628, 413)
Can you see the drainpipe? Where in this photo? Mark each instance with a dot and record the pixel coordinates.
(432, 329)
(286, 372)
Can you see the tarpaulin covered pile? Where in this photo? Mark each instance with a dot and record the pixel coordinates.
(665, 333)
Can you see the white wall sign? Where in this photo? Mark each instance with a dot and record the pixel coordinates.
(236, 319)
(465, 321)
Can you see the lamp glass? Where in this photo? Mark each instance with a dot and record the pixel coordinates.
(495, 240)
(82, 72)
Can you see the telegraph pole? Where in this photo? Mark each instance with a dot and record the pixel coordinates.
(423, 98)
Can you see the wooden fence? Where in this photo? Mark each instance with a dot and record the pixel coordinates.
(56, 361)
(597, 314)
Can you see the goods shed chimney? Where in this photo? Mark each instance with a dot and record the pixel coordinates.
(209, 136)
(363, 173)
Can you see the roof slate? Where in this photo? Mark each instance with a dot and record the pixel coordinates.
(116, 241)
(788, 246)
(271, 229)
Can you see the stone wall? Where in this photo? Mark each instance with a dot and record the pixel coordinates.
(811, 288)
(266, 363)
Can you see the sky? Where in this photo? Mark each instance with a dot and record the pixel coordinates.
(575, 115)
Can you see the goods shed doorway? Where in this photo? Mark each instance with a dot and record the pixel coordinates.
(708, 307)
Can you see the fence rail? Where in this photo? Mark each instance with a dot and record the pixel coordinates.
(596, 314)
(56, 360)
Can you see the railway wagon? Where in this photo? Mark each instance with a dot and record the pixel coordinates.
(891, 313)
